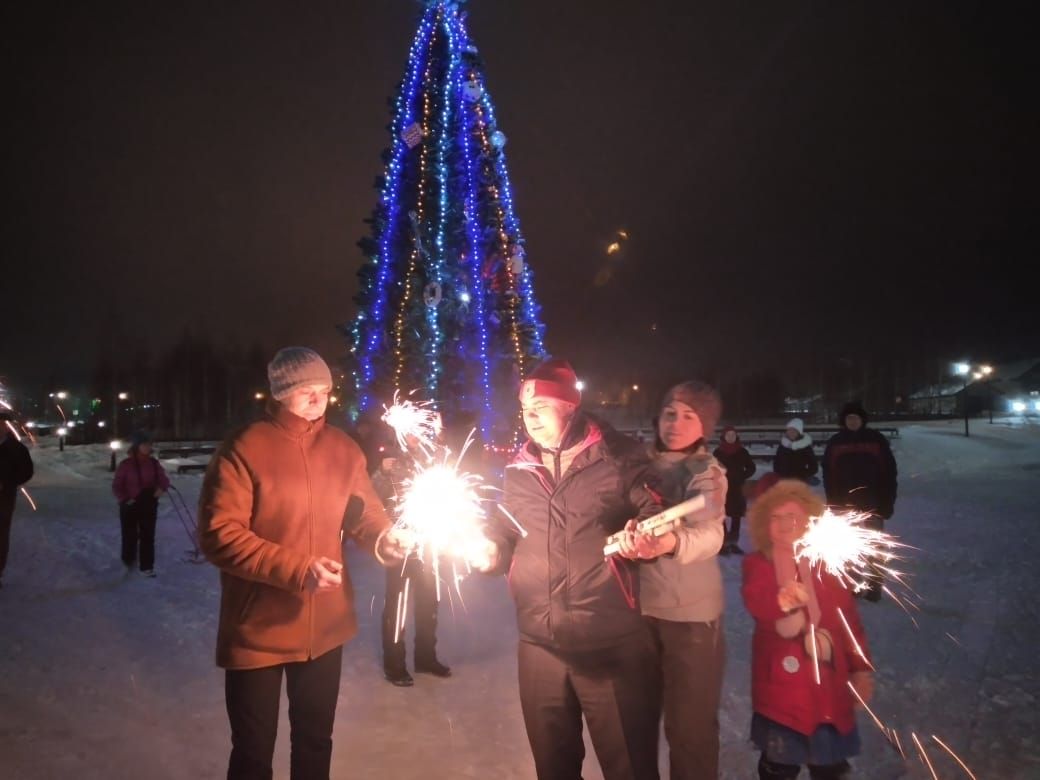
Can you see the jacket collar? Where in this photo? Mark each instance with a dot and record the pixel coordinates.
(292, 424)
(798, 444)
(582, 433)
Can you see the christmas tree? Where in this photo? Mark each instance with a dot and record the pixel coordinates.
(445, 301)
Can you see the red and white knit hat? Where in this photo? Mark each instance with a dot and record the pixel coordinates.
(552, 379)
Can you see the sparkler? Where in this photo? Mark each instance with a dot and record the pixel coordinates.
(28, 498)
(417, 420)
(846, 548)
(924, 755)
(441, 513)
(956, 758)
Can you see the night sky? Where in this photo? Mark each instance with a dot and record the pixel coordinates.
(837, 178)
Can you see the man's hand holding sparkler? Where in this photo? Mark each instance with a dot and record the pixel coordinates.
(482, 555)
(323, 574)
(396, 544)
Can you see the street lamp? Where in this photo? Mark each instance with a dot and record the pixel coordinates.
(116, 398)
(964, 370)
(115, 445)
(62, 433)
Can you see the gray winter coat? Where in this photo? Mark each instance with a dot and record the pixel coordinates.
(686, 586)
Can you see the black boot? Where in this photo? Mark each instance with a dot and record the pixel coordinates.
(398, 676)
(432, 666)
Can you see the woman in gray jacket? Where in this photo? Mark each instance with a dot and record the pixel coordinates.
(680, 582)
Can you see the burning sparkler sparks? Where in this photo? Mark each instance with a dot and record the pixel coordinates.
(441, 512)
(843, 545)
(956, 758)
(416, 420)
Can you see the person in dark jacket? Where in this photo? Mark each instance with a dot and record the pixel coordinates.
(421, 576)
(735, 458)
(139, 483)
(16, 468)
(859, 473)
(795, 458)
(584, 647)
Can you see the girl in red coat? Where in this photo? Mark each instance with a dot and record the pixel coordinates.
(801, 716)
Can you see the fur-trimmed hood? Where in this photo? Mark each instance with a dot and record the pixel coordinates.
(762, 507)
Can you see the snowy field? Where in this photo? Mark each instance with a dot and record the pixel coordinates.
(106, 677)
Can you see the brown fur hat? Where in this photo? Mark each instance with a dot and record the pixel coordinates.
(783, 491)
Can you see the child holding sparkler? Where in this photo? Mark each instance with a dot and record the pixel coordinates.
(808, 649)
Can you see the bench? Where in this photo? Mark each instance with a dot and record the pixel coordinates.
(188, 468)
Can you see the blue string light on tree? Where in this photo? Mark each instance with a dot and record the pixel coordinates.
(459, 334)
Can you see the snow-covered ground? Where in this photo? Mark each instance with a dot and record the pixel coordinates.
(106, 677)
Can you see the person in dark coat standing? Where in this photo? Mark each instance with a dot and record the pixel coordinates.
(16, 468)
(859, 473)
(139, 483)
(417, 576)
(795, 458)
(735, 458)
(584, 648)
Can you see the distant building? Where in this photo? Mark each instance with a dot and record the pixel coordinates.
(1018, 381)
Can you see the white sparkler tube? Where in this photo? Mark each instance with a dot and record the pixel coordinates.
(658, 524)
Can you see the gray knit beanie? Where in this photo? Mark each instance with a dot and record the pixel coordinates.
(296, 367)
(702, 398)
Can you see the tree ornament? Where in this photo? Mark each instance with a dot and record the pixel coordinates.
(498, 139)
(412, 135)
(516, 263)
(432, 295)
(471, 90)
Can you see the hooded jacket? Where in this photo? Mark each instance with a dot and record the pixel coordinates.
(275, 495)
(686, 585)
(136, 474)
(16, 468)
(859, 470)
(795, 459)
(740, 467)
(783, 685)
(567, 596)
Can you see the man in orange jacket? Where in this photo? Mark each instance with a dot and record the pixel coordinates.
(273, 517)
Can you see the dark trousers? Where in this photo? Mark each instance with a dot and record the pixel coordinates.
(875, 578)
(252, 697)
(6, 514)
(733, 532)
(422, 585)
(770, 770)
(617, 691)
(138, 524)
(692, 657)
